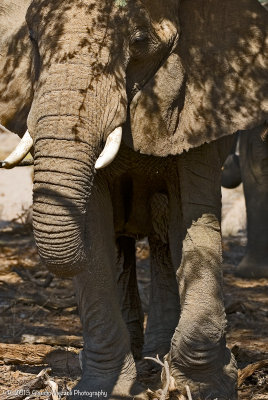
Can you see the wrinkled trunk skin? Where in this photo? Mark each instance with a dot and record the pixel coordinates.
(62, 175)
(63, 170)
(254, 171)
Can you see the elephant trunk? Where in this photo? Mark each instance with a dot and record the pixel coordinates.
(67, 143)
(63, 171)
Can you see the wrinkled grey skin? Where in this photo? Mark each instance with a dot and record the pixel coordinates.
(251, 168)
(16, 67)
(146, 67)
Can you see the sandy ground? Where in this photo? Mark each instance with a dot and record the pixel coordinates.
(15, 184)
(15, 193)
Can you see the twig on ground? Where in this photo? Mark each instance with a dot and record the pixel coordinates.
(51, 302)
(60, 340)
(24, 354)
(169, 380)
(39, 382)
(26, 275)
(249, 370)
(164, 364)
(54, 389)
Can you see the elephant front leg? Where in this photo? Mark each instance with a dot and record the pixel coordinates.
(198, 356)
(108, 367)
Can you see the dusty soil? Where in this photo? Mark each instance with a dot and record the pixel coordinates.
(39, 325)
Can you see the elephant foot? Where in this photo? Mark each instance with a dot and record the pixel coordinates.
(218, 383)
(251, 268)
(108, 387)
(98, 385)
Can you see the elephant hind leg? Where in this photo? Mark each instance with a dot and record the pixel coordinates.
(164, 299)
(254, 167)
(128, 293)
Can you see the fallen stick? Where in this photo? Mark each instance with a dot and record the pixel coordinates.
(37, 383)
(25, 274)
(24, 354)
(61, 340)
(54, 389)
(47, 302)
(169, 378)
(249, 370)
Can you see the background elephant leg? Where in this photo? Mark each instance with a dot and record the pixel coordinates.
(198, 355)
(254, 168)
(164, 300)
(128, 293)
(231, 172)
(107, 361)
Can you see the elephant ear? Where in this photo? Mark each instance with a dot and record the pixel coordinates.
(214, 83)
(15, 66)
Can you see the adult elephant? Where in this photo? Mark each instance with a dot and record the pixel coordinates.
(172, 79)
(250, 166)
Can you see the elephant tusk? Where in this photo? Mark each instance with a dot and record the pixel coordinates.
(20, 151)
(111, 149)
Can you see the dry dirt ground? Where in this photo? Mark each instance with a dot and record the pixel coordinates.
(39, 325)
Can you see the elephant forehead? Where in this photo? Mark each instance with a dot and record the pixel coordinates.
(109, 18)
(89, 14)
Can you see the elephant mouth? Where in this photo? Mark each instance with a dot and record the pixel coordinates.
(108, 154)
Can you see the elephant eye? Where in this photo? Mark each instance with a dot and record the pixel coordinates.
(139, 37)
